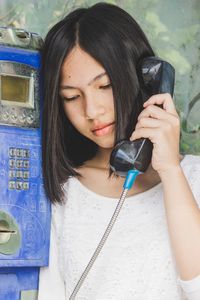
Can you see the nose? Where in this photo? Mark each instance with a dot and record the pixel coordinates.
(94, 106)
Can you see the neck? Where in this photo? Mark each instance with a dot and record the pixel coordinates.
(101, 159)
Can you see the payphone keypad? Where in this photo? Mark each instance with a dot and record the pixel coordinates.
(19, 168)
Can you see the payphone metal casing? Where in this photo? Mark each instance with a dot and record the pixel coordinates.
(24, 208)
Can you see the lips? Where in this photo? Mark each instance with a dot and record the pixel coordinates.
(98, 127)
(103, 129)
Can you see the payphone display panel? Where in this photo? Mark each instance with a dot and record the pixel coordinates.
(19, 95)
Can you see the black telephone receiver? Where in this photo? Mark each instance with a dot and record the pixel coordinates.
(156, 76)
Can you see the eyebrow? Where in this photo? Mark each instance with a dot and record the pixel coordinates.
(94, 79)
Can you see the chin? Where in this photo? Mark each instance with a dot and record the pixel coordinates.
(106, 144)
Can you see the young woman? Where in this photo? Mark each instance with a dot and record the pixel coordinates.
(93, 99)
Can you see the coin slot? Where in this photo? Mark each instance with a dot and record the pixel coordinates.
(5, 232)
(21, 34)
(10, 236)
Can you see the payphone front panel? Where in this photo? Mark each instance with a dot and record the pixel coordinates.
(24, 208)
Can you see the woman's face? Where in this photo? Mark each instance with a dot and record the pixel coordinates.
(87, 97)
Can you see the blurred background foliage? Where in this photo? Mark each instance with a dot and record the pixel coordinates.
(173, 28)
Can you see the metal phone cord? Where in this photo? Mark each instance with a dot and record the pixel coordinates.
(100, 245)
(127, 185)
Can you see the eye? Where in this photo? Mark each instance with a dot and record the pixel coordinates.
(104, 87)
(70, 98)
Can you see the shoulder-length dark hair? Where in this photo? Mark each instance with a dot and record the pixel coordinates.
(115, 40)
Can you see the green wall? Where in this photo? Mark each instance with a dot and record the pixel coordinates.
(173, 27)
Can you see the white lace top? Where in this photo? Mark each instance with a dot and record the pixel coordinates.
(136, 262)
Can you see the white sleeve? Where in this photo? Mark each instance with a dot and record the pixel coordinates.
(191, 288)
(51, 285)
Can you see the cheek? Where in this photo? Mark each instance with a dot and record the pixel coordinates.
(74, 115)
(110, 105)
(71, 111)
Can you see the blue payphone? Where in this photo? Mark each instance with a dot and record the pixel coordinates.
(24, 208)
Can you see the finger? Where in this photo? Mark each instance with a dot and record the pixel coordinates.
(145, 133)
(163, 126)
(150, 122)
(156, 112)
(162, 99)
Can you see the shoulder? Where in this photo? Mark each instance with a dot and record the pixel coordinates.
(70, 189)
(191, 164)
(58, 209)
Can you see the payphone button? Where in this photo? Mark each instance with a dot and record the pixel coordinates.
(25, 185)
(19, 163)
(26, 164)
(19, 185)
(26, 174)
(14, 118)
(21, 152)
(19, 174)
(12, 152)
(11, 185)
(26, 153)
(18, 152)
(5, 116)
(12, 163)
(30, 119)
(12, 174)
(22, 118)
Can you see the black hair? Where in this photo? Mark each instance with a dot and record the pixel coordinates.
(114, 39)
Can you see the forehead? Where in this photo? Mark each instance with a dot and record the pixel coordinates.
(79, 66)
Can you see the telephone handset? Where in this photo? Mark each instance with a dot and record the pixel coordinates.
(156, 76)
